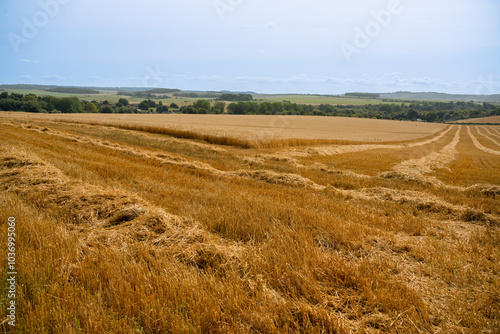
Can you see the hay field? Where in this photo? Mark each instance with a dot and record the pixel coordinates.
(482, 120)
(127, 230)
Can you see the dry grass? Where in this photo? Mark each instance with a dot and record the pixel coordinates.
(124, 231)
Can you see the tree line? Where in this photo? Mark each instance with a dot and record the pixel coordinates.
(424, 111)
(52, 104)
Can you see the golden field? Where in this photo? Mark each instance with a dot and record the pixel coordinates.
(259, 127)
(355, 226)
(481, 120)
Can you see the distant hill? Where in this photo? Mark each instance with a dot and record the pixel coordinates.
(363, 95)
(237, 92)
(440, 96)
(161, 91)
(30, 87)
(72, 90)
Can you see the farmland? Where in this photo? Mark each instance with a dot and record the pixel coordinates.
(251, 224)
(482, 120)
(113, 97)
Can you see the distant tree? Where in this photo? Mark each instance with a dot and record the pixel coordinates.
(30, 97)
(15, 96)
(202, 104)
(70, 105)
(412, 114)
(235, 97)
(146, 104)
(90, 107)
(107, 109)
(219, 107)
(30, 106)
(4, 95)
(189, 110)
(161, 108)
(174, 105)
(124, 102)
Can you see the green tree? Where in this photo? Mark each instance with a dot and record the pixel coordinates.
(146, 104)
(70, 105)
(412, 114)
(219, 107)
(202, 104)
(107, 109)
(124, 102)
(90, 107)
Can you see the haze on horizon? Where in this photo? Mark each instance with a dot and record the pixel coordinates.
(316, 46)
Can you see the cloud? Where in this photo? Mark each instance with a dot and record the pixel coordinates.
(24, 60)
(52, 77)
(316, 29)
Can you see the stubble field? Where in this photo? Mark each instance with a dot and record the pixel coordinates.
(125, 227)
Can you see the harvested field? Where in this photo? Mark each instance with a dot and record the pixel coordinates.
(261, 128)
(482, 120)
(363, 227)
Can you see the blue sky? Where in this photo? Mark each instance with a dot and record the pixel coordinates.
(268, 46)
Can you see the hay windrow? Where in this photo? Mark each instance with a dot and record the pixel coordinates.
(490, 137)
(480, 146)
(278, 178)
(110, 216)
(485, 189)
(168, 159)
(416, 169)
(334, 150)
(429, 203)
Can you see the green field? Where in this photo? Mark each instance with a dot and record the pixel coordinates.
(316, 99)
(112, 97)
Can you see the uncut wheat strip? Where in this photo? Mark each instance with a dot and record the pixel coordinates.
(479, 130)
(479, 145)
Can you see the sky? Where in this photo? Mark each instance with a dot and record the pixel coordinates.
(265, 46)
